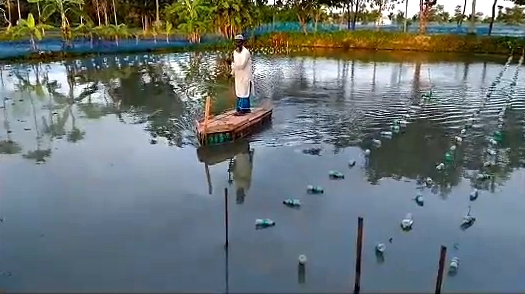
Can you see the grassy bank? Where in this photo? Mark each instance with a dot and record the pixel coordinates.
(289, 43)
(393, 41)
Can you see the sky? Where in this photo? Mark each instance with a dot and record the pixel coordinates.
(484, 6)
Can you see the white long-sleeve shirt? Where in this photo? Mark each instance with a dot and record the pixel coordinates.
(242, 71)
(242, 171)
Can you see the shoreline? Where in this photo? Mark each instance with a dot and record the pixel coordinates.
(292, 43)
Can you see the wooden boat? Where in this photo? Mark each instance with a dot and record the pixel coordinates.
(229, 127)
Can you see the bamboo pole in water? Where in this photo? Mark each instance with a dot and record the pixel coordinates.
(359, 250)
(226, 221)
(441, 268)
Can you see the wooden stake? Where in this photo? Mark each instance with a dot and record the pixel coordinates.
(359, 250)
(208, 178)
(226, 223)
(207, 108)
(441, 268)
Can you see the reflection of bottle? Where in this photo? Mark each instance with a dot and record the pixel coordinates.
(242, 173)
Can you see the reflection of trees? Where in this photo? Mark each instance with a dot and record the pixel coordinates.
(38, 155)
(159, 93)
(8, 146)
(416, 81)
(413, 155)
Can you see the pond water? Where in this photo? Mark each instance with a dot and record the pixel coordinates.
(102, 187)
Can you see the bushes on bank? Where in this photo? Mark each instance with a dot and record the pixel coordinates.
(393, 41)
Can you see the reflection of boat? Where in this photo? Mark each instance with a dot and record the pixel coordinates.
(240, 164)
(228, 127)
(214, 154)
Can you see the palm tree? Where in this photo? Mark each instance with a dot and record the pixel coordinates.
(405, 23)
(472, 28)
(463, 13)
(493, 16)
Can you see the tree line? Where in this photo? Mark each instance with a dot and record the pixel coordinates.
(194, 18)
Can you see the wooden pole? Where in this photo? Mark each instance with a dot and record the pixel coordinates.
(226, 223)
(359, 250)
(441, 269)
(207, 108)
(208, 178)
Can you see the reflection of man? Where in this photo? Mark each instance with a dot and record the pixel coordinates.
(242, 173)
(242, 71)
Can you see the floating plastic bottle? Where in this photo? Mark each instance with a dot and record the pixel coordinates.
(454, 265)
(407, 222)
(488, 163)
(429, 181)
(449, 157)
(463, 132)
(440, 166)
(458, 139)
(419, 200)
(482, 177)
(497, 136)
(302, 259)
(395, 129)
(380, 248)
(386, 134)
(351, 163)
(376, 142)
(292, 202)
(474, 195)
(314, 189)
(264, 223)
(367, 152)
(427, 95)
(453, 148)
(335, 175)
(468, 220)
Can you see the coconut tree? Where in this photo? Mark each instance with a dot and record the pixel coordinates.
(28, 27)
(492, 16)
(472, 28)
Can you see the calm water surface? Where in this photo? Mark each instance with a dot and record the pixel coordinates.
(89, 203)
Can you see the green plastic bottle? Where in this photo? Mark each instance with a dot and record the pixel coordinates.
(314, 189)
(336, 175)
(498, 136)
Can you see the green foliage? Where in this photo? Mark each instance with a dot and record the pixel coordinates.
(394, 41)
(194, 17)
(29, 28)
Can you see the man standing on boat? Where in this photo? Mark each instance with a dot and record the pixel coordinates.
(242, 72)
